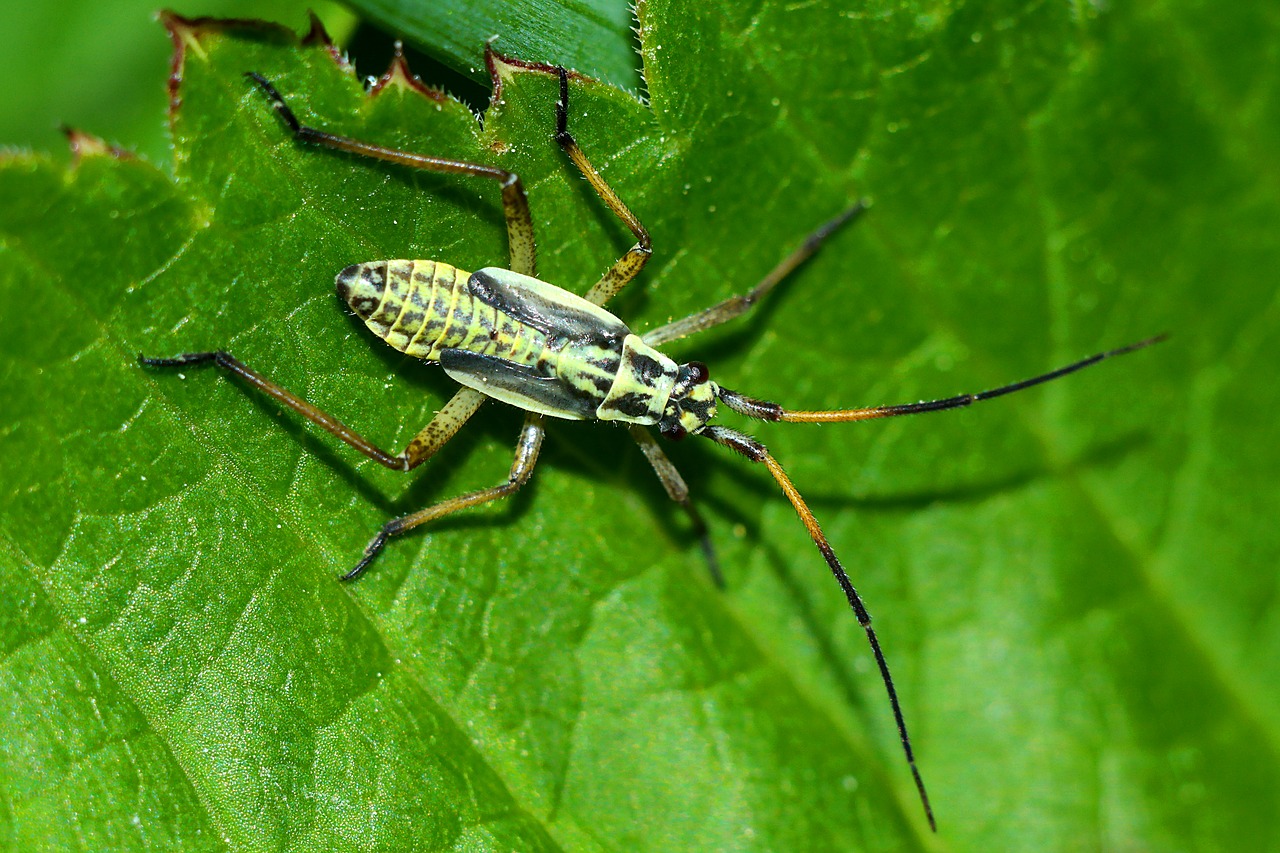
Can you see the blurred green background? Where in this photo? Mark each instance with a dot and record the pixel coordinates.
(101, 67)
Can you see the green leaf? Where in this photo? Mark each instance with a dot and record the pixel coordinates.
(593, 36)
(1074, 585)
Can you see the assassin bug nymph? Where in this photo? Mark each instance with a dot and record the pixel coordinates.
(504, 334)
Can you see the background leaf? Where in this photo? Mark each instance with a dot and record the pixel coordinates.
(100, 65)
(595, 36)
(1074, 585)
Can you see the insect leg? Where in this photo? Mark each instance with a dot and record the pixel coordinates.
(629, 265)
(521, 469)
(442, 427)
(736, 306)
(678, 491)
(515, 204)
(757, 452)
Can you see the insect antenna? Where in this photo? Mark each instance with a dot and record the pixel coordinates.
(757, 452)
(766, 411)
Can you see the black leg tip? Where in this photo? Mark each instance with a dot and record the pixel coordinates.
(184, 360)
(357, 571)
(371, 550)
(264, 84)
(277, 100)
(562, 108)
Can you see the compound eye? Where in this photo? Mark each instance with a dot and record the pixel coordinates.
(699, 371)
(675, 432)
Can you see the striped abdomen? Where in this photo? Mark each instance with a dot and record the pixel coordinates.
(423, 307)
(514, 338)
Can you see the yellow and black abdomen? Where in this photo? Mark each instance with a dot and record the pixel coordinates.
(423, 308)
(513, 337)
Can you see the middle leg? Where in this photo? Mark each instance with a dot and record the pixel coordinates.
(521, 470)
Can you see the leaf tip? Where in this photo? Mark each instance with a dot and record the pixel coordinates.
(190, 37)
(503, 68)
(84, 145)
(399, 76)
(318, 36)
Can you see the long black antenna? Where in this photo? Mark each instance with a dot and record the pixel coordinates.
(765, 411)
(757, 452)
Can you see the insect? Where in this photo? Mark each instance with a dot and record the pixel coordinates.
(506, 335)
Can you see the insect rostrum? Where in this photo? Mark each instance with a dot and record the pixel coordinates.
(505, 334)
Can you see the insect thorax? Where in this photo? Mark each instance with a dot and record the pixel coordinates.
(642, 386)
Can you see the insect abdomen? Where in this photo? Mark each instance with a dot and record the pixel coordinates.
(423, 307)
(514, 338)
